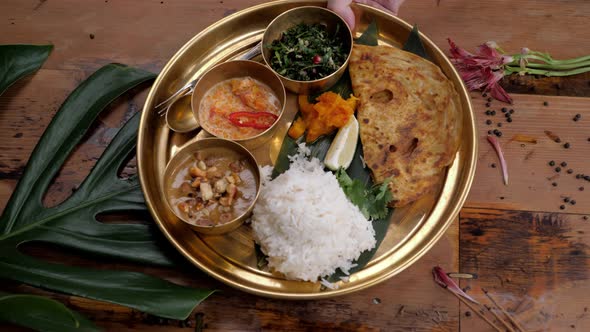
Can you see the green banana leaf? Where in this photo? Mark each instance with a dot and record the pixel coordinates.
(41, 313)
(356, 170)
(73, 224)
(17, 61)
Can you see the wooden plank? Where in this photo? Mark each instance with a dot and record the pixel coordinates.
(147, 33)
(530, 177)
(410, 301)
(536, 264)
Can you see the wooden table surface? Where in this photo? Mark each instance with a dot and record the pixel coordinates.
(527, 251)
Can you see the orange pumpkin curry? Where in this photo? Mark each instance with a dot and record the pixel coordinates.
(239, 108)
(213, 187)
(329, 113)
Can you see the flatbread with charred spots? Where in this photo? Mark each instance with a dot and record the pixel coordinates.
(409, 116)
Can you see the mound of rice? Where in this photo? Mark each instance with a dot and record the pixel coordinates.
(305, 224)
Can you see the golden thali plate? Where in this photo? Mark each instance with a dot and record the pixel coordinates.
(231, 258)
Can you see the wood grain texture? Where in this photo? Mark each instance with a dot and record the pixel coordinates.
(531, 179)
(536, 264)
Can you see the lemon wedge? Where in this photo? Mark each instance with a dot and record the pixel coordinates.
(343, 146)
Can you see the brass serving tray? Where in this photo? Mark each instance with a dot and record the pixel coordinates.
(231, 258)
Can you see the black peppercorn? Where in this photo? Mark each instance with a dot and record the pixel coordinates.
(509, 120)
(499, 134)
(488, 112)
(566, 145)
(558, 169)
(490, 99)
(488, 104)
(576, 119)
(566, 200)
(490, 132)
(578, 176)
(554, 184)
(587, 177)
(581, 189)
(484, 95)
(493, 165)
(563, 164)
(585, 217)
(545, 103)
(570, 171)
(511, 111)
(493, 113)
(504, 110)
(507, 115)
(558, 140)
(552, 163)
(573, 202)
(562, 207)
(499, 124)
(489, 122)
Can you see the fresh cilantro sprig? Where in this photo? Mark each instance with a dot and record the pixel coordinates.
(371, 201)
(307, 52)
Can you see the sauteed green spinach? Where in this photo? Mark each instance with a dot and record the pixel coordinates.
(307, 52)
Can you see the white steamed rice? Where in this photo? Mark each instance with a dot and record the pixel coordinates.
(305, 224)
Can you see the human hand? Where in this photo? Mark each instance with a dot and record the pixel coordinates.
(342, 8)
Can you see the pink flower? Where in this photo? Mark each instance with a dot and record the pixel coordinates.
(482, 70)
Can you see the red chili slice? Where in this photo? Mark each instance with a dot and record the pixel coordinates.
(258, 120)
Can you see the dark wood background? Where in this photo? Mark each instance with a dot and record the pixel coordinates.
(527, 251)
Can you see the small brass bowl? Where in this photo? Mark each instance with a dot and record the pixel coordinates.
(308, 15)
(233, 69)
(179, 160)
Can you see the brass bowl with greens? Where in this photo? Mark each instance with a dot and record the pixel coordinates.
(308, 47)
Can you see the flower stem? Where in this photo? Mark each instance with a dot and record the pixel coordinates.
(509, 70)
(558, 67)
(549, 60)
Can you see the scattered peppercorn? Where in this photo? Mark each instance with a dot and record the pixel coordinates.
(511, 111)
(570, 171)
(507, 115)
(499, 134)
(558, 140)
(581, 189)
(509, 120)
(585, 217)
(545, 103)
(488, 112)
(485, 95)
(490, 99)
(554, 184)
(504, 110)
(573, 202)
(562, 207)
(493, 165)
(566, 145)
(489, 122)
(552, 163)
(563, 164)
(566, 200)
(588, 139)
(488, 104)
(501, 197)
(558, 169)
(91, 36)
(468, 313)
(576, 119)
(499, 124)
(490, 132)
(587, 177)
(493, 113)
(578, 176)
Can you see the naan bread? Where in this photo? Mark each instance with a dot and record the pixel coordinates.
(409, 116)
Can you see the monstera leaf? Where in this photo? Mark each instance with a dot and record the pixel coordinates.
(41, 314)
(17, 61)
(73, 224)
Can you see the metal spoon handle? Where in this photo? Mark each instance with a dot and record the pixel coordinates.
(188, 87)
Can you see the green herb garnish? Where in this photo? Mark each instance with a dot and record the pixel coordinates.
(307, 52)
(372, 201)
